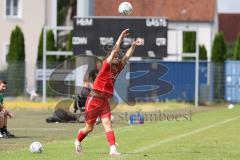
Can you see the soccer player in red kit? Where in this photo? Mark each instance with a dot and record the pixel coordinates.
(97, 104)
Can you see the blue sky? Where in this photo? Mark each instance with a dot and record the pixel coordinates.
(229, 6)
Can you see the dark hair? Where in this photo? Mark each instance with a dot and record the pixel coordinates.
(4, 82)
(98, 60)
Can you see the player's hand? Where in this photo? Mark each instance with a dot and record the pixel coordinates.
(125, 33)
(10, 115)
(138, 42)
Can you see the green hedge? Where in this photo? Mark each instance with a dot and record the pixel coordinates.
(219, 48)
(202, 52)
(16, 67)
(236, 53)
(219, 54)
(17, 47)
(50, 46)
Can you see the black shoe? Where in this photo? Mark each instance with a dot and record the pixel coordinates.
(3, 135)
(7, 134)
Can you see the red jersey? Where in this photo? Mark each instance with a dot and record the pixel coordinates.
(106, 77)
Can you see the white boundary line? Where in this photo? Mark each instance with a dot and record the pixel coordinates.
(180, 136)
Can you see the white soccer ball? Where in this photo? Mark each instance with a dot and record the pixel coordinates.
(230, 106)
(125, 8)
(36, 147)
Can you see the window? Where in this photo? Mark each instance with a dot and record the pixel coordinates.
(189, 43)
(12, 8)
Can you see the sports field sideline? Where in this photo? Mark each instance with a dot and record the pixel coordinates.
(212, 133)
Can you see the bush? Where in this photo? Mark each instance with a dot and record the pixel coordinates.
(16, 67)
(67, 46)
(236, 53)
(17, 47)
(50, 41)
(230, 49)
(69, 41)
(40, 47)
(219, 48)
(202, 52)
(219, 55)
(63, 6)
(50, 46)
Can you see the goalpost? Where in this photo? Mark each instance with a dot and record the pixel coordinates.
(51, 53)
(191, 55)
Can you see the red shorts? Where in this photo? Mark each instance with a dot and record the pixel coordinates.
(96, 107)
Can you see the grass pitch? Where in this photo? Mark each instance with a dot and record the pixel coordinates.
(212, 134)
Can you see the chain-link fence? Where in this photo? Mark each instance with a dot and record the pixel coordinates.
(51, 67)
(145, 77)
(15, 77)
(217, 83)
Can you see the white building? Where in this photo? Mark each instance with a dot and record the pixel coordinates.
(30, 16)
(200, 15)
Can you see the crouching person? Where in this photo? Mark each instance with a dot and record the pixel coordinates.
(4, 114)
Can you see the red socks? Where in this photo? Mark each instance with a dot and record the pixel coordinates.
(110, 137)
(81, 136)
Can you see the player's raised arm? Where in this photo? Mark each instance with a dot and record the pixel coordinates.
(131, 50)
(116, 47)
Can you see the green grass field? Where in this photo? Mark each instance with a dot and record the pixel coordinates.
(212, 134)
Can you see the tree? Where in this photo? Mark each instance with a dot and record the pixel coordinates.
(40, 47)
(50, 45)
(17, 47)
(230, 50)
(66, 47)
(202, 52)
(69, 41)
(15, 58)
(236, 53)
(50, 41)
(62, 8)
(219, 48)
(219, 51)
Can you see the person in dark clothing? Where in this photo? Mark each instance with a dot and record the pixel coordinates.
(4, 113)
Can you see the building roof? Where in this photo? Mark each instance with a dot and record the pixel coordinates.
(229, 24)
(175, 10)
